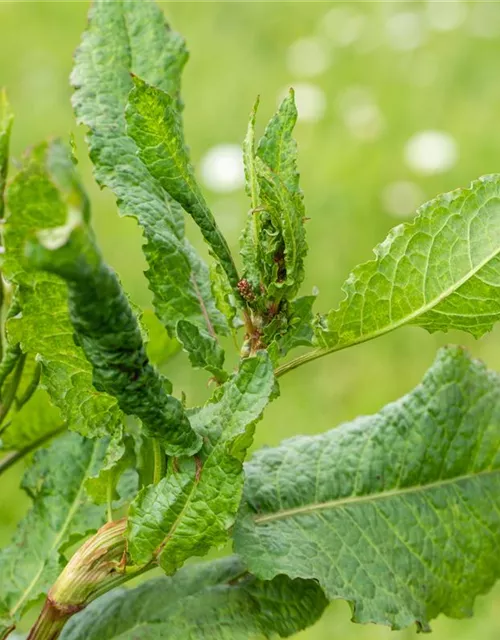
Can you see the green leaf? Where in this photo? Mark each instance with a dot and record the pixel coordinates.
(277, 147)
(124, 37)
(439, 272)
(109, 334)
(39, 198)
(273, 244)
(191, 509)
(6, 120)
(213, 600)
(399, 512)
(61, 515)
(204, 350)
(250, 243)
(154, 123)
(224, 297)
(298, 331)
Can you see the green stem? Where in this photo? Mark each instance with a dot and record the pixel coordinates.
(300, 360)
(51, 621)
(15, 456)
(159, 465)
(9, 361)
(12, 390)
(31, 388)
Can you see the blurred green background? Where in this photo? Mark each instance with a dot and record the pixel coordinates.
(399, 101)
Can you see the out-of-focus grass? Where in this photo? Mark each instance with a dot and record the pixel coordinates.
(446, 80)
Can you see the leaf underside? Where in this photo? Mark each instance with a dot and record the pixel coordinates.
(399, 512)
(108, 331)
(213, 600)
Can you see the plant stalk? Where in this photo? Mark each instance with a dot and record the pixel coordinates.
(11, 458)
(159, 466)
(98, 566)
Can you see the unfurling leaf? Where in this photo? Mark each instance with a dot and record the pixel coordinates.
(273, 244)
(399, 512)
(154, 123)
(125, 37)
(440, 272)
(40, 197)
(192, 508)
(216, 600)
(108, 332)
(61, 515)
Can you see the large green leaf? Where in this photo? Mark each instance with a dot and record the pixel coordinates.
(399, 512)
(6, 119)
(61, 514)
(439, 272)
(192, 508)
(132, 36)
(214, 600)
(40, 197)
(108, 332)
(154, 123)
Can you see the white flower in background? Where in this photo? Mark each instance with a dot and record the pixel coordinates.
(310, 100)
(405, 31)
(222, 168)
(343, 25)
(360, 113)
(401, 199)
(308, 57)
(429, 152)
(446, 16)
(484, 20)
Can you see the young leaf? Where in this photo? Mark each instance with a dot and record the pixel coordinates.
(109, 334)
(154, 124)
(273, 244)
(124, 37)
(204, 350)
(223, 296)
(215, 600)
(298, 331)
(399, 512)
(191, 509)
(439, 272)
(39, 198)
(6, 119)
(61, 514)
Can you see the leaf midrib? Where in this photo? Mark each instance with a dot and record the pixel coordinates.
(353, 500)
(421, 310)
